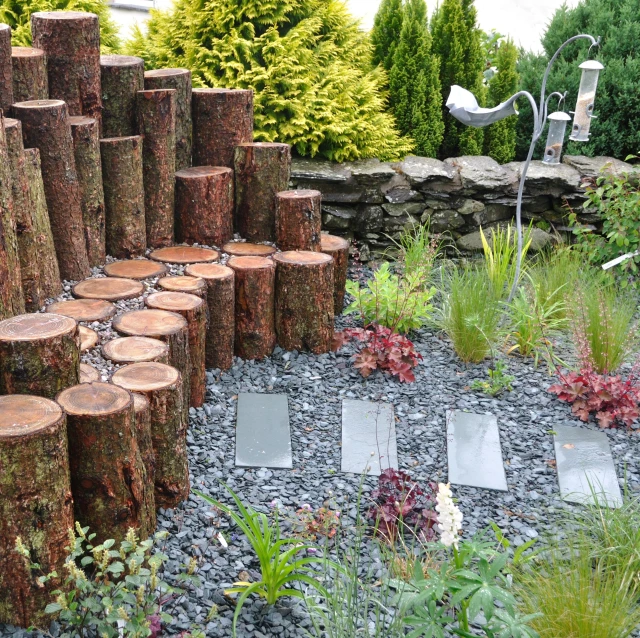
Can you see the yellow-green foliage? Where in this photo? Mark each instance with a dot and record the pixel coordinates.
(307, 61)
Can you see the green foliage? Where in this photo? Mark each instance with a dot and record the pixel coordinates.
(498, 382)
(418, 250)
(385, 34)
(307, 61)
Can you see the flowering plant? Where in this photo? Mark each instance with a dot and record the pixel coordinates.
(322, 522)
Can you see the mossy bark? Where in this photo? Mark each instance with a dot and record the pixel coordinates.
(338, 248)
(298, 220)
(142, 410)
(6, 83)
(121, 76)
(29, 68)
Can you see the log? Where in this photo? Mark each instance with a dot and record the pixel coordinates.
(261, 171)
(71, 42)
(108, 478)
(304, 301)
(185, 255)
(88, 374)
(184, 283)
(204, 205)
(255, 336)
(86, 150)
(126, 233)
(121, 77)
(83, 309)
(88, 338)
(45, 126)
(162, 386)
(298, 220)
(108, 288)
(29, 68)
(35, 504)
(39, 354)
(195, 311)
(180, 80)
(142, 411)
(247, 249)
(338, 248)
(222, 119)
(138, 269)
(221, 301)
(136, 350)
(6, 82)
(156, 113)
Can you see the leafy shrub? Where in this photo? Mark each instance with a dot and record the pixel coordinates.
(498, 381)
(418, 251)
(311, 523)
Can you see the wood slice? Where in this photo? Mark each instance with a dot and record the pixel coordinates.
(184, 283)
(298, 220)
(39, 354)
(88, 374)
(108, 289)
(136, 350)
(35, 504)
(138, 269)
(108, 478)
(142, 410)
(185, 255)
(247, 249)
(121, 77)
(30, 81)
(6, 84)
(84, 309)
(338, 248)
(88, 338)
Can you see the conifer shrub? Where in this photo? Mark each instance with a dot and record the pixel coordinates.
(385, 34)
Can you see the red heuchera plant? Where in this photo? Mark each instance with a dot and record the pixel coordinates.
(382, 350)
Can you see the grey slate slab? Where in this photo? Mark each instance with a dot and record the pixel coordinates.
(368, 437)
(585, 466)
(263, 436)
(474, 451)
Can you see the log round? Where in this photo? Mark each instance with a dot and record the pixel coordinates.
(108, 479)
(255, 336)
(88, 338)
(88, 374)
(35, 504)
(161, 384)
(185, 255)
(304, 301)
(298, 220)
(83, 309)
(108, 289)
(6, 84)
(204, 205)
(142, 410)
(121, 77)
(39, 354)
(138, 269)
(136, 350)
(338, 248)
(29, 68)
(184, 283)
(247, 249)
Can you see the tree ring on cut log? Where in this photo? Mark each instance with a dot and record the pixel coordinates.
(94, 399)
(134, 349)
(84, 309)
(135, 269)
(333, 242)
(184, 283)
(247, 249)
(39, 104)
(184, 255)
(140, 323)
(36, 327)
(173, 301)
(302, 257)
(250, 263)
(146, 377)
(24, 414)
(209, 271)
(108, 288)
(88, 338)
(140, 403)
(88, 374)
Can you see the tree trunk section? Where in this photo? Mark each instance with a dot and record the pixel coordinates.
(35, 505)
(142, 410)
(338, 248)
(88, 374)
(184, 283)
(108, 288)
(298, 220)
(247, 249)
(88, 338)
(125, 350)
(6, 82)
(135, 269)
(84, 309)
(29, 67)
(121, 77)
(185, 255)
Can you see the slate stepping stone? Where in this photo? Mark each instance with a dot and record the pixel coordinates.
(368, 437)
(263, 436)
(585, 466)
(474, 451)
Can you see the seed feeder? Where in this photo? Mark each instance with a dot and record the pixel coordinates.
(586, 96)
(555, 137)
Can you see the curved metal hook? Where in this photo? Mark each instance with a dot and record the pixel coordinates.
(595, 44)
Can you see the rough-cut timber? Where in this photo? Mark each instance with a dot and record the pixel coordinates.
(108, 288)
(156, 112)
(88, 338)
(29, 68)
(222, 119)
(71, 42)
(204, 205)
(261, 171)
(121, 76)
(138, 269)
(142, 410)
(136, 350)
(108, 478)
(162, 385)
(45, 126)
(35, 504)
(39, 354)
(298, 220)
(185, 255)
(184, 283)
(83, 309)
(255, 336)
(304, 301)
(221, 300)
(6, 83)
(180, 81)
(338, 248)
(88, 374)
(247, 249)
(86, 149)
(126, 234)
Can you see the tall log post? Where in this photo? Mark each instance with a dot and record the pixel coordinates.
(204, 205)
(29, 68)
(6, 82)
(125, 350)
(156, 112)
(338, 248)
(184, 283)
(35, 505)
(121, 77)
(142, 411)
(261, 171)
(126, 234)
(222, 119)
(255, 336)
(298, 220)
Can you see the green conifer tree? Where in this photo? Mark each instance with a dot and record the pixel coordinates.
(385, 34)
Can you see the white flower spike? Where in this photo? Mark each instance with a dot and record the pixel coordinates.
(449, 517)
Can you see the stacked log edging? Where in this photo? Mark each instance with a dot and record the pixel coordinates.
(29, 69)
(6, 83)
(121, 77)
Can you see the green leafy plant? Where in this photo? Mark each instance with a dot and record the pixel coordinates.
(498, 381)
(419, 250)
(385, 34)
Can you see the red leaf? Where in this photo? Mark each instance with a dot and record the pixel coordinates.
(366, 362)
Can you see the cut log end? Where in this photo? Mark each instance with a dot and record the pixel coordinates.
(88, 374)
(84, 309)
(165, 73)
(78, 16)
(184, 283)
(302, 258)
(146, 377)
(88, 338)
(135, 269)
(247, 249)
(140, 403)
(174, 301)
(135, 350)
(250, 263)
(196, 172)
(120, 61)
(39, 104)
(184, 255)
(23, 415)
(108, 289)
(331, 243)
(36, 327)
(92, 399)
(209, 271)
(142, 323)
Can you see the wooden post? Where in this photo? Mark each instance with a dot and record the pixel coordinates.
(121, 77)
(135, 269)
(108, 288)
(35, 505)
(156, 114)
(298, 220)
(247, 249)
(83, 309)
(29, 68)
(204, 205)
(261, 171)
(185, 255)
(6, 83)
(338, 248)
(180, 80)
(39, 354)
(184, 283)
(136, 350)
(220, 283)
(222, 119)
(88, 338)
(126, 234)
(108, 479)
(142, 411)
(255, 336)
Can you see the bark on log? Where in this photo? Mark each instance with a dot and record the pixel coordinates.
(261, 172)
(142, 411)
(83, 309)
(184, 283)
(6, 83)
(156, 112)
(338, 248)
(255, 336)
(71, 42)
(45, 126)
(108, 478)
(180, 80)
(108, 288)
(88, 374)
(298, 220)
(29, 68)
(86, 149)
(39, 354)
(162, 385)
(204, 205)
(247, 249)
(220, 283)
(126, 232)
(88, 338)
(121, 77)
(35, 504)
(136, 350)
(185, 255)
(222, 119)
(138, 269)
